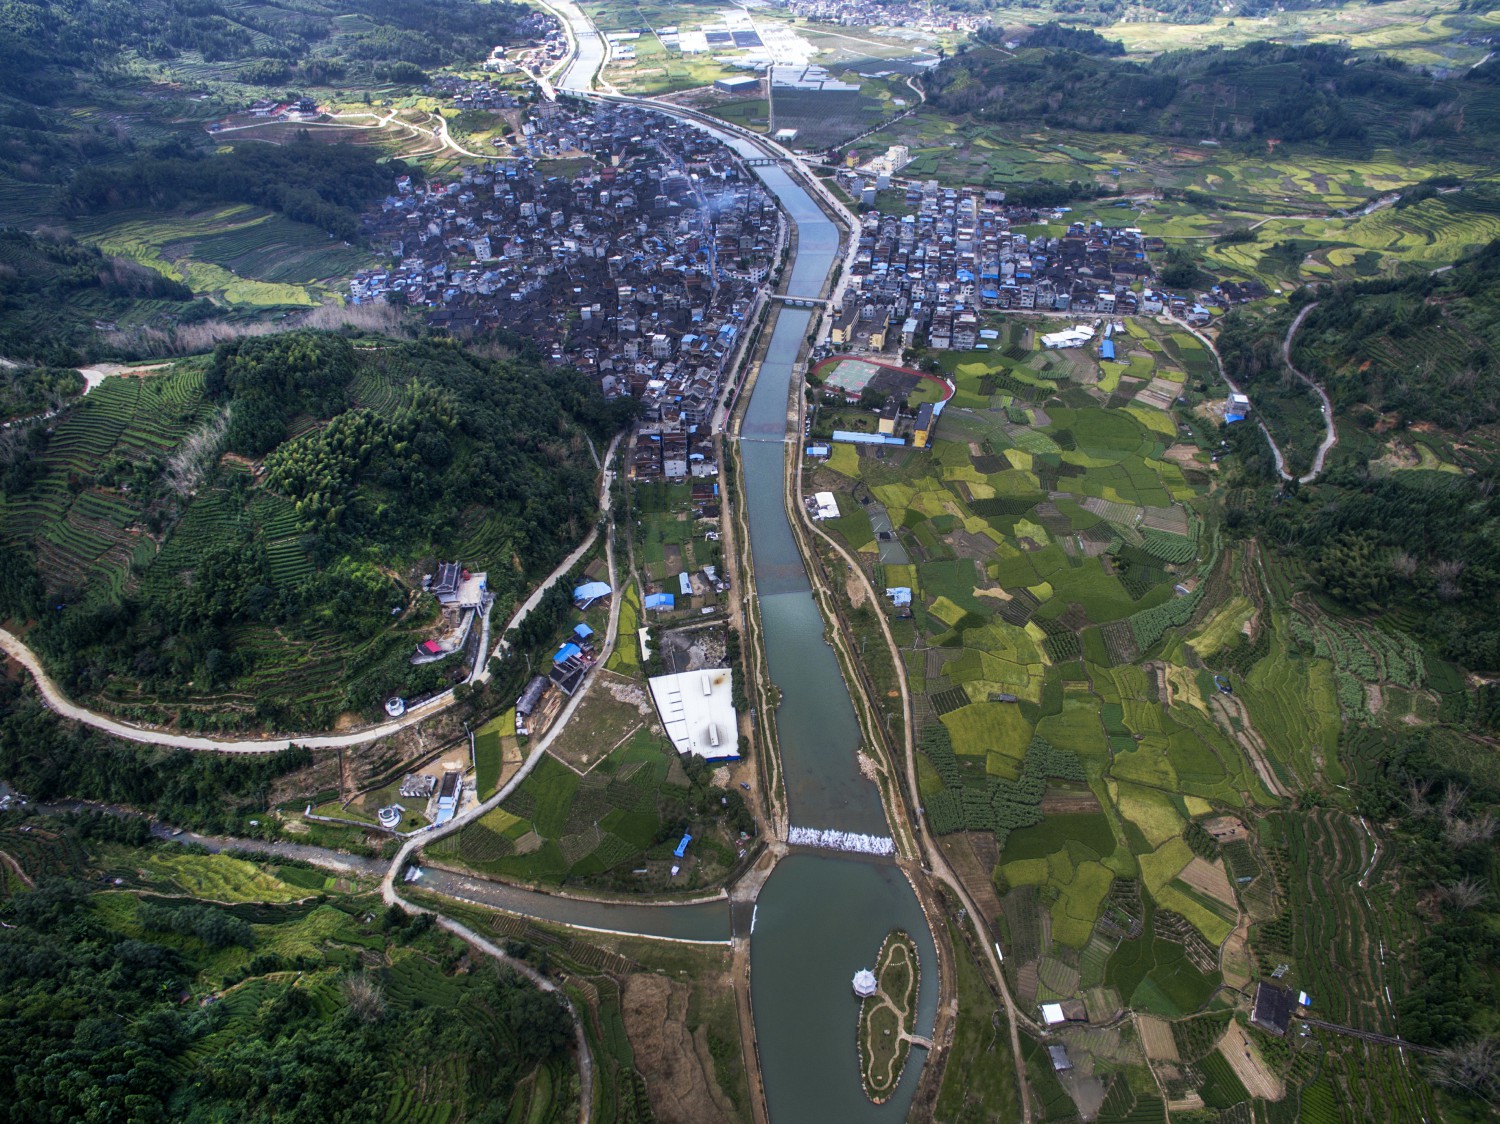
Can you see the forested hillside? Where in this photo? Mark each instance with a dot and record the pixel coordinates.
(152, 76)
(1419, 350)
(47, 46)
(324, 185)
(245, 534)
(1320, 95)
(54, 290)
(279, 1002)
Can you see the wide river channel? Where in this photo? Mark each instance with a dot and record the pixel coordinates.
(821, 916)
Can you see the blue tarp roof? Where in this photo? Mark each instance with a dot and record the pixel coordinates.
(1228, 418)
(682, 847)
(566, 652)
(591, 591)
(899, 595)
(1107, 349)
(582, 631)
(855, 438)
(660, 601)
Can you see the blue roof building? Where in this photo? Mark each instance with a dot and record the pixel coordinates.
(589, 592)
(582, 631)
(660, 601)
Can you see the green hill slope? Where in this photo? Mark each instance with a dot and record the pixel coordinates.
(240, 540)
(1320, 95)
(1421, 350)
(291, 1004)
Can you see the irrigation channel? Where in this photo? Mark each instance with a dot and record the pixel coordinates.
(821, 916)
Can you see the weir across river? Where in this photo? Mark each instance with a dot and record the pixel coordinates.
(820, 916)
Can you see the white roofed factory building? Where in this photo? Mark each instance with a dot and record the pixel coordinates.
(697, 712)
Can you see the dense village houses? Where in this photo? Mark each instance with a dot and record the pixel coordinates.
(931, 275)
(622, 242)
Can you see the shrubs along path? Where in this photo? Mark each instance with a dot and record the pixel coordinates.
(888, 1018)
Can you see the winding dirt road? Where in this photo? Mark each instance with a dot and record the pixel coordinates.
(1330, 435)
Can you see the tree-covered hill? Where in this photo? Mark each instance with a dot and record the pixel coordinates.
(240, 541)
(54, 290)
(320, 184)
(139, 1003)
(1257, 94)
(90, 83)
(1419, 350)
(47, 46)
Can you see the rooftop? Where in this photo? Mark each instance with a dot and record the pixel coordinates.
(697, 712)
(1273, 1007)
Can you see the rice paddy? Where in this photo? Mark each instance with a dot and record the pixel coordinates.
(1073, 601)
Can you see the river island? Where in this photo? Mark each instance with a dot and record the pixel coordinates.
(887, 1014)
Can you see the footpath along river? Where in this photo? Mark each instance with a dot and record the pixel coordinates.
(821, 916)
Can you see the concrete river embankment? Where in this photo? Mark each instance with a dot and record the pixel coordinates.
(821, 916)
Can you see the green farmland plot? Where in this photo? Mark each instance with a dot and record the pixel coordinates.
(1073, 589)
(625, 815)
(239, 255)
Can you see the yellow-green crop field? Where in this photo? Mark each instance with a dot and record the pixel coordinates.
(1099, 670)
(239, 255)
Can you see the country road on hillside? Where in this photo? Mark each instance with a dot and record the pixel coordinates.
(56, 699)
(1330, 434)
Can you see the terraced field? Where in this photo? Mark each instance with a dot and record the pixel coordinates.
(130, 498)
(80, 513)
(1087, 639)
(239, 255)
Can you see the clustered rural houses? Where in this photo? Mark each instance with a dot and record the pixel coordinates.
(470, 93)
(871, 13)
(622, 242)
(932, 274)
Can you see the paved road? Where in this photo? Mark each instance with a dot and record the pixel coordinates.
(92, 377)
(56, 700)
(697, 922)
(606, 488)
(1330, 437)
(912, 828)
(340, 861)
(1369, 1035)
(439, 134)
(327, 857)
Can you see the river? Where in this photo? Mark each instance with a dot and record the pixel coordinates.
(821, 916)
